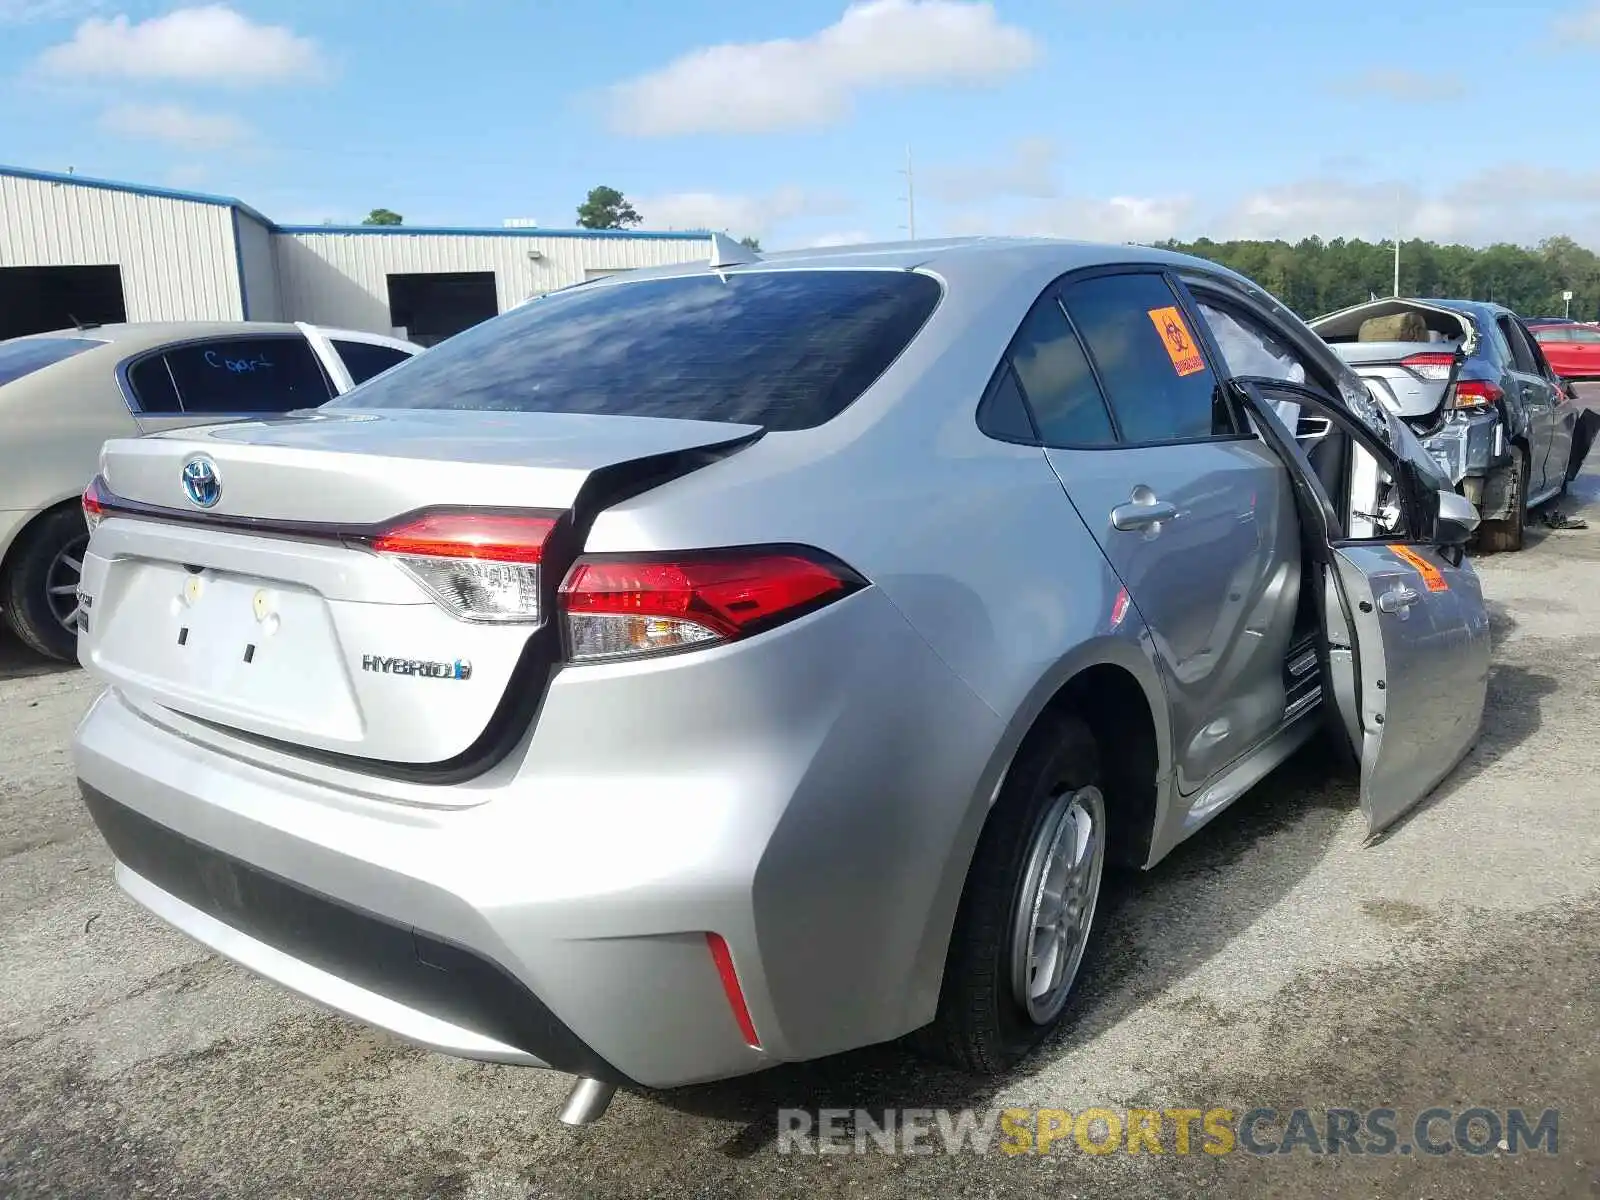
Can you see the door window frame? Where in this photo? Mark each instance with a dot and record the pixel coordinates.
(1418, 517)
(1511, 329)
(130, 394)
(1054, 292)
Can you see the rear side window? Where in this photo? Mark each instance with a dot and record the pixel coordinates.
(24, 356)
(1058, 382)
(1522, 356)
(236, 376)
(153, 389)
(1147, 357)
(365, 359)
(782, 349)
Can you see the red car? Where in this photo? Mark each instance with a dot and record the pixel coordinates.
(1572, 350)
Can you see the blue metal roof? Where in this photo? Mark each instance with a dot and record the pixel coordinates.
(498, 231)
(137, 189)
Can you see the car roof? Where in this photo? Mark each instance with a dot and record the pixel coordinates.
(964, 256)
(1477, 308)
(142, 335)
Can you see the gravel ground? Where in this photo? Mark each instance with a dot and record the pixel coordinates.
(1273, 961)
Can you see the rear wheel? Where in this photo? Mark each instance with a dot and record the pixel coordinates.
(40, 588)
(1023, 926)
(1504, 536)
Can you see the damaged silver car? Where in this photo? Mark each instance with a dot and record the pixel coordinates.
(1473, 384)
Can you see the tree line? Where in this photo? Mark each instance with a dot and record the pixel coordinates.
(1314, 277)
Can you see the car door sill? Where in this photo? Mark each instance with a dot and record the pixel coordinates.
(1252, 769)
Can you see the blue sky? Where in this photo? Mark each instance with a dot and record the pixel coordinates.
(1113, 120)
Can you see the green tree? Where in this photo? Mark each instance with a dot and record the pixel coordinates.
(752, 243)
(1314, 277)
(606, 208)
(383, 216)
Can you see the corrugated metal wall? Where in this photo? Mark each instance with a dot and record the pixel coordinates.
(260, 271)
(177, 256)
(342, 278)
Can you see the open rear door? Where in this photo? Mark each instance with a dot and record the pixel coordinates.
(1405, 646)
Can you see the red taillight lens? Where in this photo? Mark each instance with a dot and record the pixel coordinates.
(1475, 393)
(480, 566)
(94, 503)
(1432, 366)
(622, 608)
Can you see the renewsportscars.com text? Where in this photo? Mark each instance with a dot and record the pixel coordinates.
(1181, 1131)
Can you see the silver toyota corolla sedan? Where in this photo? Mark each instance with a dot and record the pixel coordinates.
(742, 662)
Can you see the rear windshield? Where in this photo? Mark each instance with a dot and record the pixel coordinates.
(783, 349)
(24, 356)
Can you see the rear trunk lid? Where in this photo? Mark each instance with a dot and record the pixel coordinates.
(1410, 379)
(1408, 352)
(276, 613)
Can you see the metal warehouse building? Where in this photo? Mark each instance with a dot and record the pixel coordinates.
(86, 251)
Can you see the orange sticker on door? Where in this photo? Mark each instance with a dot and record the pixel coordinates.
(1180, 344)
(1431, 575)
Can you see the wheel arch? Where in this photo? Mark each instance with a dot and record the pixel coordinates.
(20, 534)
(1115, 688)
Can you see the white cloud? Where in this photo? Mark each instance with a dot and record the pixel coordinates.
(852, 237)
(1081, 218)
(795, 83)
(1581, 25)
(740, 215)
(1028, 170)
(25, 12)
(1121, 218)
(213, 44)
(1406, 87)
(175, 125)
(1510, 202)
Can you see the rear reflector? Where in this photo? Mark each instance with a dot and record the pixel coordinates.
(94, 503)
(623, 608)
(723, 957)
(479, 566)
(1432, 366)
(1475, 393)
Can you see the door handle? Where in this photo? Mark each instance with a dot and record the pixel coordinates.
(1398, 600)
(1142, 511)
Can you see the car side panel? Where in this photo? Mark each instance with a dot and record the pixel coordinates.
(55, 422)
(976, 544)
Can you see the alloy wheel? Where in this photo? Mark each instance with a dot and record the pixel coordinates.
(1056, 903)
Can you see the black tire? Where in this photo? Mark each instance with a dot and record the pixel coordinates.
(1505, 536)
(32, 570)
(981, 1026)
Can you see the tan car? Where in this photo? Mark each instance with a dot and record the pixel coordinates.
(63, 394)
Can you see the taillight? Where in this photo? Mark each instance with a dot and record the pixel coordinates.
(1475, 393)
(1431, 366)
(480, 566)
(94, 503)
(627, 607)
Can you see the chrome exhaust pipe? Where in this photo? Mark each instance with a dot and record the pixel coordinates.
(587, 1102)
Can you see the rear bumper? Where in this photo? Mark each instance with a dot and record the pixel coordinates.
(431, 991)
(1469, 444)
(783, 794)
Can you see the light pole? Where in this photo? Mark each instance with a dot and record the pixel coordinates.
(911, 198)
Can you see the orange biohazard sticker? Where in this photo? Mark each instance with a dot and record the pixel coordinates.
(1175, 336)
(1431, 575)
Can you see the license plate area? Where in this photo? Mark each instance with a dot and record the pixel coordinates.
(250, 651)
